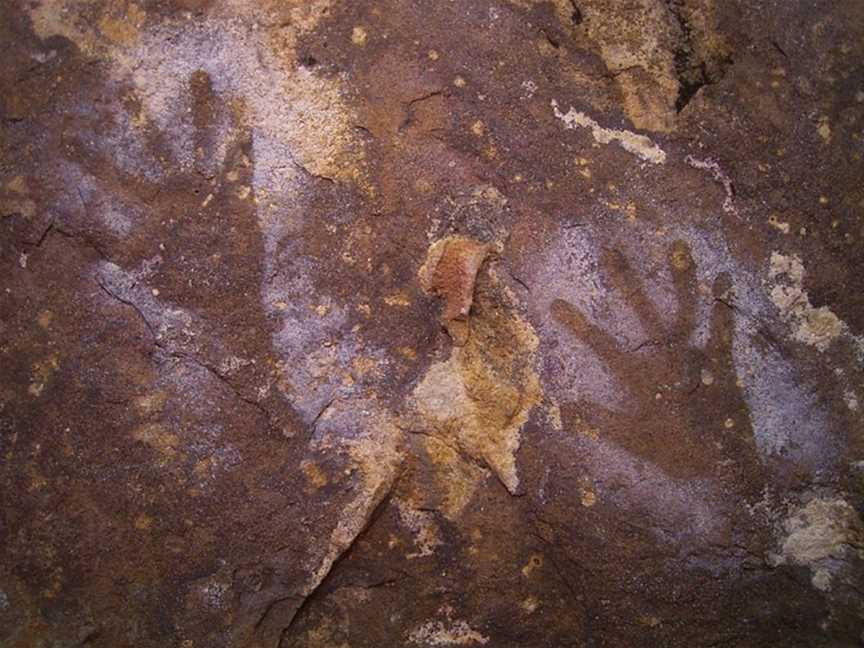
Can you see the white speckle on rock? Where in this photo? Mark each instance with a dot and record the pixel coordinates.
(818, 327)
(824, 528)
(422, 525)
(214, 594)
(823, 535)
(447, 632)
(822, 580)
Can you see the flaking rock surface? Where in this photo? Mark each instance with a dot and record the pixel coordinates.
(330, 323)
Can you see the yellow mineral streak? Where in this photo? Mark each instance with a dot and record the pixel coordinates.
(472, 406)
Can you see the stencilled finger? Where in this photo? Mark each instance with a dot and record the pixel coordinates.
(212, 122)
(722, 317)
(627, 281)
(113, 144)
(139, 146)
(89, 196)
(684, 278)
(596, 338)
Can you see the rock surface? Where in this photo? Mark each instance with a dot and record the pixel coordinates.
(457, 323)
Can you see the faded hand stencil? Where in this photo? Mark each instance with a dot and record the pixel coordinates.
(634, 345)
(228, 104)
(220, 90)
(298, 127)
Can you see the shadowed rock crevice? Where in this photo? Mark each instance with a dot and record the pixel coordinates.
(701, 56)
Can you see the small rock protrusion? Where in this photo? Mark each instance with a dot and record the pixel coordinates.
(450, 272)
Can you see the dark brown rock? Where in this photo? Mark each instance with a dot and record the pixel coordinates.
(503, 323)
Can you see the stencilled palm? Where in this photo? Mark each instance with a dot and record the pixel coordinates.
(129, 196)
(145, 159)
(683, 406)
(209, 147)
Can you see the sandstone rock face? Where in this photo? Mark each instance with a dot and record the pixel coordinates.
(330, 323)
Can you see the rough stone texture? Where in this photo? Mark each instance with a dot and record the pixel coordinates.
(412, 323)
